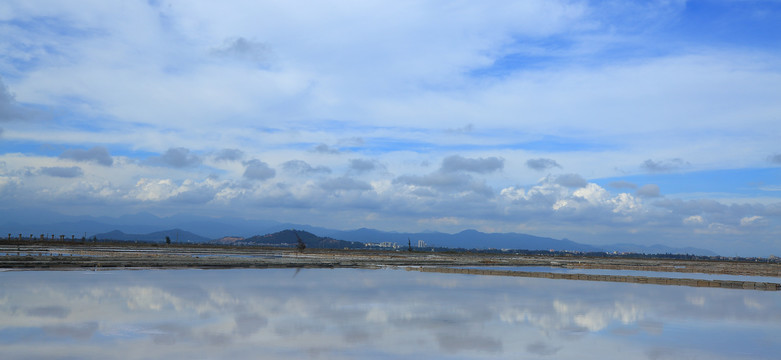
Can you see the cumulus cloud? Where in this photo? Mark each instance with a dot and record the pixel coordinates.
(198, 195)
(455, 163)
(244, 49)
(445, 182)
(648, 191)
(542, 164)
(694, 220)
(302, 167)
(664, 165)
(344, 183)
(97, 154)
(229, 155)
(590, 201)
(258, 170)
(63, 172)
(166, 190)
(571, 181)
(176, 158)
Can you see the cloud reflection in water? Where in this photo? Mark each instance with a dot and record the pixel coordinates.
(344, 313)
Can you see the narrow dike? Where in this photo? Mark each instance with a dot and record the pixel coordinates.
(729, 284)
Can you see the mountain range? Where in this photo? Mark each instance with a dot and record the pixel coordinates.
(467, 239)
(176, 235)
(198, 229)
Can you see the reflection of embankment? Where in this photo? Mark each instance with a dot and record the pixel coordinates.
(730, 284)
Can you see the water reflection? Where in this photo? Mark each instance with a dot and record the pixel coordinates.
(356, 314)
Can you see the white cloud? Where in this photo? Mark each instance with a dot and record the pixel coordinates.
(152, 190)
(513, 193)
(752, 220)
(694, 220)
(592, 197)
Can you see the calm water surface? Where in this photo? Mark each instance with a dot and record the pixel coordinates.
(377, 314)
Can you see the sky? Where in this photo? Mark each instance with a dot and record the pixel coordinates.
(648, 122)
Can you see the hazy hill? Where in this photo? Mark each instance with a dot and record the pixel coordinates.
(41, 221)
(288, 238)
(467, 239)
(176, 235)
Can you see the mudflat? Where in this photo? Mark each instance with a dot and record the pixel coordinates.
(123, 255)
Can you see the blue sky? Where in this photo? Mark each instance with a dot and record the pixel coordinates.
(646, 122)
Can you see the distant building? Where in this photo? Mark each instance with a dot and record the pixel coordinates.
(422, 243)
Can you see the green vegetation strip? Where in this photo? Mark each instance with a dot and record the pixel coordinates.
(729, 284)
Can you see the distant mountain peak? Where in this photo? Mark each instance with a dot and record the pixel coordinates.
(289, 238)
(470, 232)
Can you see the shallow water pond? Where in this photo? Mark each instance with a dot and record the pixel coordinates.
(377, 314)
